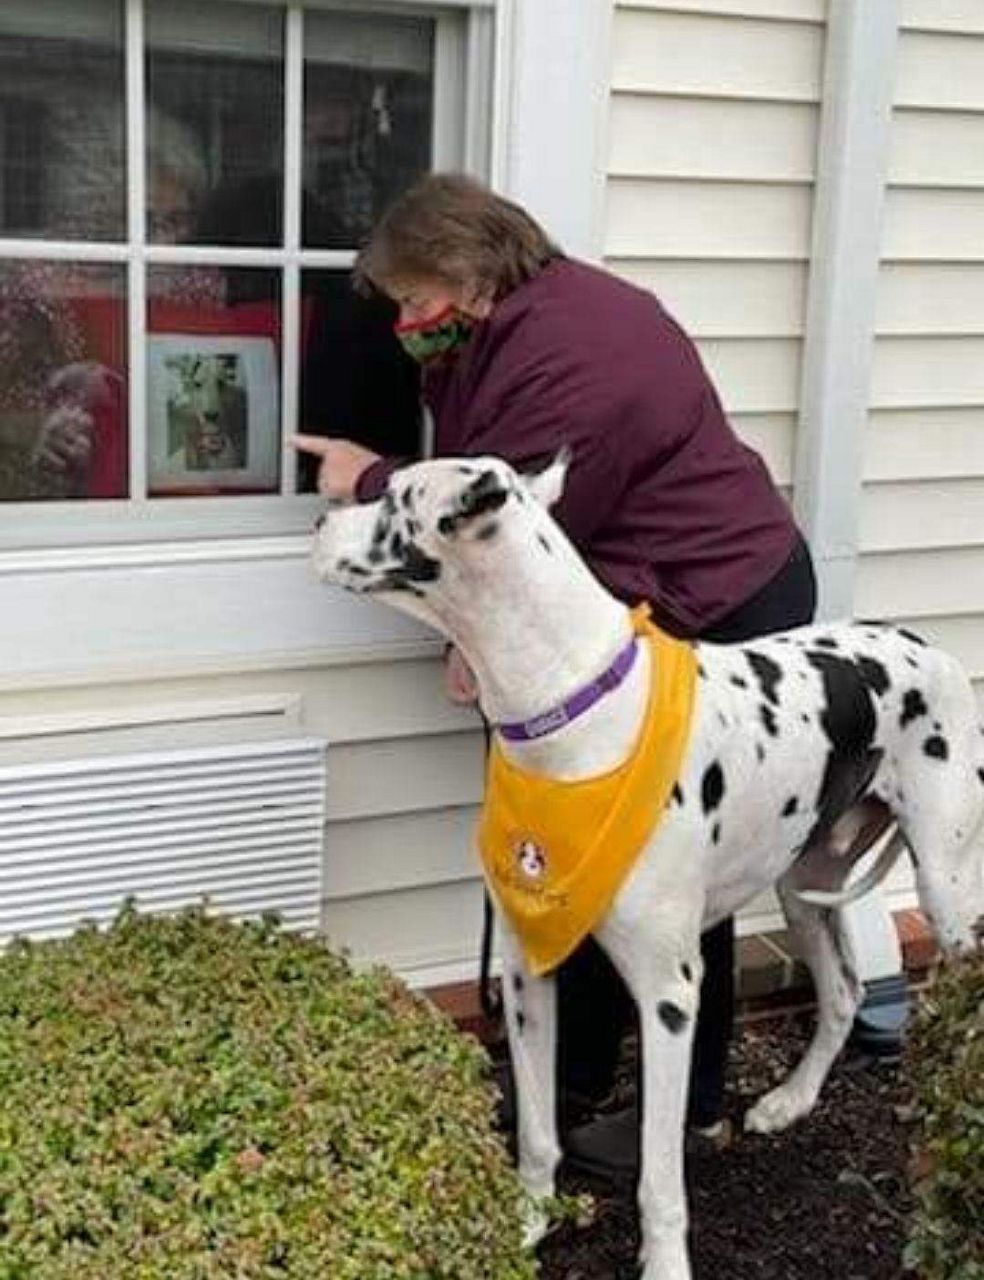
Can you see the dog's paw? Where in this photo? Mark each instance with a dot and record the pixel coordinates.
(536, 1225)
(665, 1260)
(777, 1110)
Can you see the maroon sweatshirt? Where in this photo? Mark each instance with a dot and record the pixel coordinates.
(662, 499)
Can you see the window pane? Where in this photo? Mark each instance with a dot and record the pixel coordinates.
(62, 119)
(214, 122)
(356, 380)
(63, 404)
(368, 88)
(213, 381)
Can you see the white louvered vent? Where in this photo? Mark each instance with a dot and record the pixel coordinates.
(242, 824)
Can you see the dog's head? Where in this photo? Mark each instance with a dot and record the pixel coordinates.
(199, 383)
(439, 529)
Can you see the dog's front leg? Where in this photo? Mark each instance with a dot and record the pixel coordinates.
(667, 1037)
(660, 962)
(531, 1024)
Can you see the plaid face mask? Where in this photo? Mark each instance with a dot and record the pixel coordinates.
(427, 340)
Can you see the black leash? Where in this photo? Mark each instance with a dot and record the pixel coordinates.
(489, 998)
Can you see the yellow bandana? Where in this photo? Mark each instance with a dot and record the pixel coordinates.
(556, 853)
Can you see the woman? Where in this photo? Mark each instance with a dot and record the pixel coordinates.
(524, 351)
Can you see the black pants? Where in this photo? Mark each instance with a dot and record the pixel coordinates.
(595, 1008)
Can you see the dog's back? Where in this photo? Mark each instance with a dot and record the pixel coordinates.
(802, 725)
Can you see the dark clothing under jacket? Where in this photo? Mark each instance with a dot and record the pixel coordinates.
(662, 499)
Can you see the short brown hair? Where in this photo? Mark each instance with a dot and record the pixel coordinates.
(453, 229)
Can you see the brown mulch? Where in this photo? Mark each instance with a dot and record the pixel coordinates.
(828, 1198)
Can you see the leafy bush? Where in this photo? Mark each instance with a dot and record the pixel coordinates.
(945, 1061)
(185, 1097)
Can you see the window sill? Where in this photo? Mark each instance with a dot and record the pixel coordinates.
(157, 531)
(149, 554)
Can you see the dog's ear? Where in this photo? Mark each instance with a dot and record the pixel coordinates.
(482, 496)
(548, 485)
(488, 493)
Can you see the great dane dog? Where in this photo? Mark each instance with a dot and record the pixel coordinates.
(804, 748)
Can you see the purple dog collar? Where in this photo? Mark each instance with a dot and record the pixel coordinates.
(577, 703)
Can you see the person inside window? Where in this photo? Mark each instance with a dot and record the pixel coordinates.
(59, 434)
(524, 351)
(62, 344)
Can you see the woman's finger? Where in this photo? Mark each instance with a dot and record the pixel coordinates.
(318, 445)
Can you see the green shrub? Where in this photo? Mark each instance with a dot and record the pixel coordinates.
(185, 1097)
(945, 1062)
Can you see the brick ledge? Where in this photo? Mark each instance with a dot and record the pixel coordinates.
(769, 977)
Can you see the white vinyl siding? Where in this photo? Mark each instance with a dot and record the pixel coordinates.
(922, 514)
(712, 158)
(961, 17)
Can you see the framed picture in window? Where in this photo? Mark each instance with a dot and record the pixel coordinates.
(213, 402)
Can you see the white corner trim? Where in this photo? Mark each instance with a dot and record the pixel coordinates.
(855, 136)
(552, 110)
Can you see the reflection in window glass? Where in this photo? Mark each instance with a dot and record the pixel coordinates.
(368, 87)
(63, 406)
(356, 380)
(213, 381)
(214, 122)
(62, 160)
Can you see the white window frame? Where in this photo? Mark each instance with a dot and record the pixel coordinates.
(463, 56)
(139, 610)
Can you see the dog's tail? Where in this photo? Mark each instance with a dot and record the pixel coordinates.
(894, 847)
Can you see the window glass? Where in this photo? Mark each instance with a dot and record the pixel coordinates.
(356, 380)
(213, 381)
(214, 123)
(62, 165)
(63, 403)
(368, 91)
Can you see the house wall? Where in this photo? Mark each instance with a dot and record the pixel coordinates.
(713, 125)
(921, 543)
(922, 529)
(131, 647)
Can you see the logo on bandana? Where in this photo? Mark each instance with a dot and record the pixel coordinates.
(531, 859)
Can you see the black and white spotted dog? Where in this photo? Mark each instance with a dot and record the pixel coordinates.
(806, 748)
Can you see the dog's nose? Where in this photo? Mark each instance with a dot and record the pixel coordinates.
(319, 522)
